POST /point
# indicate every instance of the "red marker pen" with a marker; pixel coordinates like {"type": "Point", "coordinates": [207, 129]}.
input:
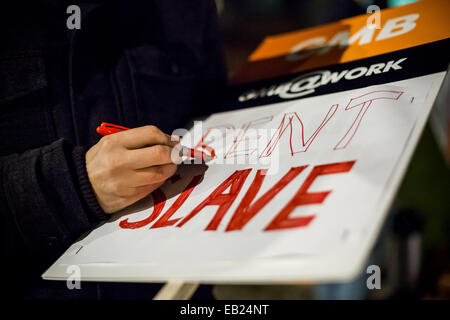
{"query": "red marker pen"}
{"type": "Point", "coordinates": [108, 128]}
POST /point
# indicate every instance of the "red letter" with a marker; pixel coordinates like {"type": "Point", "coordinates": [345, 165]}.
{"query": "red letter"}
{"type": "Point", "coordinates": [302, 197]}
{"type": "Point", "coordinates": [364, 101]}
{"type": "Point", "coordinates": [245, 212]}
{"type": "Point", "coordinates": [164, 220]}
{"type": "Point", "coordinates": [159, 200]}
{"type": "Point", "coordinates": [287, 122]}
{"type": "Point", "coordinates": [243, 136]}
{"type": "Point", "coordinates": [217, 198]}
{"type": "Point", "coordinates": [205, 145]}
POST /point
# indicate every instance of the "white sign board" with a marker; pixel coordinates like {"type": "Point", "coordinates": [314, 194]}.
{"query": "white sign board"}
{"type": "Point", "coordinates": [297, 192]}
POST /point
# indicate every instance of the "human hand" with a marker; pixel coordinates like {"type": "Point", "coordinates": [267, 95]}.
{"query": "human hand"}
{"type": "Point", "coordinates": [127, 166]}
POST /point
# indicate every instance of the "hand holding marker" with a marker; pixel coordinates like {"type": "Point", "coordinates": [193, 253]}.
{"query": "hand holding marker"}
{"type": "Point", "coordinates": [108, 128]}
{"type": "Point", "coordinates": [126, 165]}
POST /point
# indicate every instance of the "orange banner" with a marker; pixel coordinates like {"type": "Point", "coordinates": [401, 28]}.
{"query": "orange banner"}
{"type": "Point", "coordinates": [349, 39]}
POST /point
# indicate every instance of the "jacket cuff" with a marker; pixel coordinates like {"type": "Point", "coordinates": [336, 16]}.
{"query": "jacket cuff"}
{"type": "Point", "coordinates": [96, 213]}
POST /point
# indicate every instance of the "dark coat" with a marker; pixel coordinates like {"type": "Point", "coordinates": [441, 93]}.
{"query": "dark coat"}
{"type": "Point", "coordinates": [132, 63]}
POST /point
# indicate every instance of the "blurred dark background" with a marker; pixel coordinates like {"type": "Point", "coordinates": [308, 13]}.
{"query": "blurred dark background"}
{"type": "Point", "coordinates": [244, 24]}
{"type": "Point", "coordinates": [414, 247]}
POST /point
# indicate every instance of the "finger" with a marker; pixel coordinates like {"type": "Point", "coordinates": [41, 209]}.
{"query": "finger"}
{"type": "Point", "coordinates": [152, 156]}
{"type": "Point", "coordinates": [143, 137]}
{"type": "Point", "coordinates": [152, 175]}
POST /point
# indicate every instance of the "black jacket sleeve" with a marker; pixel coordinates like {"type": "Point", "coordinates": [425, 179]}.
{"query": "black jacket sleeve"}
{"type": "Point", "coordinates": [46, 197]}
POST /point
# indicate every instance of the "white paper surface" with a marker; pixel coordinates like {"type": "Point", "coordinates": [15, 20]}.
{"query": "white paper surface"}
{"type": "Point", "coordinates": [333, 246]}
